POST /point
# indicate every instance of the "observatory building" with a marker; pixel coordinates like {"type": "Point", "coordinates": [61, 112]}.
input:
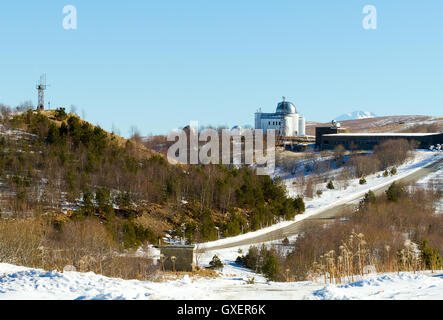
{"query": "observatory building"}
{"type": "Point", "coordinates": [285, 121]}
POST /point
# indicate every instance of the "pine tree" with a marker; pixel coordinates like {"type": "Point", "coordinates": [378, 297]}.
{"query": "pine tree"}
{"type": "Point", "coordinates": [271, 268]}
{"type": "Point", "coordinates": [430, 256]}
{"type": "Point", "coordinates": [394, 192]}
{"type": "Point", "coordinates": [216, 263]}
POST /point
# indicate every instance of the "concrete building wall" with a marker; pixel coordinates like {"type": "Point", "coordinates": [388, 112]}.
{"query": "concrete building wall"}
{"type": "Point", "coordinates": [302, 126]}
{"type": "Point", "coordinates": [290, 125]}
{"type": "Point", "coordinates": [294, 132]}
{"type": "Point", "coordinates": [184, 258]}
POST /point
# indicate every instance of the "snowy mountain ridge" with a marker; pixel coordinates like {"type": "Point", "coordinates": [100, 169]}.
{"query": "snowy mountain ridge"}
{"type": "Point", "coordinates": [356, 115]}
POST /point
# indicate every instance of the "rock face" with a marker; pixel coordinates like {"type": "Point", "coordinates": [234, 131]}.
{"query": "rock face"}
{"type": "Point", "coordinates": [356, 115]}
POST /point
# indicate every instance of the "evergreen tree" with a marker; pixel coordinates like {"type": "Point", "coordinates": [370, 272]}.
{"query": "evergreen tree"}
{"type": "Point", "coordinates": [394, 192]}
{"type": "Point", "coordinates": [60, 114]}
{"type": "Point", "coordinates": [216, 263]}
{"type": "Point", "coordinates": [271, 268]}
{"type": "Point", "coordinates": [430, 256]}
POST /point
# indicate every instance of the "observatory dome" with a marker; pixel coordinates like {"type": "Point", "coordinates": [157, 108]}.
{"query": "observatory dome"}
{"type": "Point", "coordinates": [286, 107]}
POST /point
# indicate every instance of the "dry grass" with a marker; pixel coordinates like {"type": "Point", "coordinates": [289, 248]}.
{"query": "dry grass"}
{"type": "Point", "coordinates": [21, 242]}
{"type": "Point", "coordinates": [86, 245]}
{"type": "Point", "coordinates": [354, 259]}
{"type": "Point", "coordinates": [200, 273]}
{"type": "Point", "coordinates": [383, 235]}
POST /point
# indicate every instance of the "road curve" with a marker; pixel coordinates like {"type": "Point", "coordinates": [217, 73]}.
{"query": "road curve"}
{"type": "Point", "coordinates": [327, 214]}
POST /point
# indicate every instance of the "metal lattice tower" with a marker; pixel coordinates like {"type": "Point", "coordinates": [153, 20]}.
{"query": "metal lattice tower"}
{"type": "Point", "coordinates": [41, 87]}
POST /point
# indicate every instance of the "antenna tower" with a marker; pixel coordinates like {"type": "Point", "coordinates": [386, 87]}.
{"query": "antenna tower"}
{"type": "Point", "coordinates": [41, 87]}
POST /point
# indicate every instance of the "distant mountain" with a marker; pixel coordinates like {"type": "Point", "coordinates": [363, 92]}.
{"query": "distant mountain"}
{"type": "Point", "coordinates": [356, 115]}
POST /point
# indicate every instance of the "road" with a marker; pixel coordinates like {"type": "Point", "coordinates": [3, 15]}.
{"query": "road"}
{"type": "Point", "coordinates": [329, 214]}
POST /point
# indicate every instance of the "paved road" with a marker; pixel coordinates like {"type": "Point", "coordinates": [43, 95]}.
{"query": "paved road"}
{"type": "Point", "coordinates": [328, 214]}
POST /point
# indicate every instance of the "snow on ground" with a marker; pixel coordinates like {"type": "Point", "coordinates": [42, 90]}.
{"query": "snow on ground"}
{"type": "Point", "coordinates": [435, 181]}
{"type": "Point", "coordinates": [233, 283]}
{"type": "Point", "coordinates": [18, 283]}
{"type": "Point", "coordinates": [332, 198]}
{"type": "Point", "coordinates": [390, 286]}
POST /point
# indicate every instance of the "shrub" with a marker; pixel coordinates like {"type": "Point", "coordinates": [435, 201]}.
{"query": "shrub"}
{"type": "Point", "coordinates": [430, 256]}
{"type": "Point", "coordinates": [392, 152]}
{"type": "Point", "coordinates": [370, 197]}
{"type": "Point", "coordinates": [102, 197]}
{"type": "Point", "coordinates": [250, 281]}
{"type": "Point", "coordinates": [134, 234]}
{"type": "Point", "coordinates": [386, 174]}
{"type": "Point", "coordinates": [271, 268]}
{"type": "Point", "coordinates": [330, 185]}
{"type": "Point", "coordinates": [285, 241]}
{"type": "Point", "coordinates": [319, 193]}
{"type": "Point", "coordinates": [394, 192]}
{"type": "Point", "coordinates": [299, 205]}
{"type": "Point", "coordinates": [216, 263]}
{"type": "Point", "coordinates": [339, 154]}
{"type": "Point", "coordinates": [364, 165]}
{"type": "Point", "coordinates": [362, 181]}
{"type": "Point", "coordinates": [60, 114]}
{"type": "Point", "coordinates": [251, 259]}
{"type": "Point", "coordinates": [393, 171]}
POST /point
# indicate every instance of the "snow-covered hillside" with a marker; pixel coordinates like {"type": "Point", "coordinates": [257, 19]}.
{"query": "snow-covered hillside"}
{"type": "Point", "coordinates": [356, 115]}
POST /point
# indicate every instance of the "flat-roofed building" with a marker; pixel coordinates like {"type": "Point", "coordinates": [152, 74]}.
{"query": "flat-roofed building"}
{"type": "Point", "coordinates": [367, 141]}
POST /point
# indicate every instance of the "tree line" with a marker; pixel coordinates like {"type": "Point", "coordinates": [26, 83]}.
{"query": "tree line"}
{"type": "Point", "coordinates": [49, 163]}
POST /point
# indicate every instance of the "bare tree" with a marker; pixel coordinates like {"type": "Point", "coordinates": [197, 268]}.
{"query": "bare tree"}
{"type": "Point", "coordinates": [25, 106]}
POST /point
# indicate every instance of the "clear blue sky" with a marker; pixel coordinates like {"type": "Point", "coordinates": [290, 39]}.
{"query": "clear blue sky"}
{"type": "Point", "coordinates": [159, 64]}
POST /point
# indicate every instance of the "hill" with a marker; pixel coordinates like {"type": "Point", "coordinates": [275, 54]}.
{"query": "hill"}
{"type": "Point", "coordinates": [57, 165]}
{"type": "Point", "coordinates": [387, 124]}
